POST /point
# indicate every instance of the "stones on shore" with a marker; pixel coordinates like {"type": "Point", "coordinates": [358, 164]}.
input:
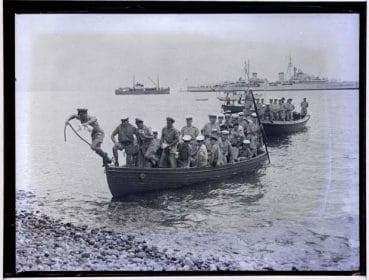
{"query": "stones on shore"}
{"type": "Point", "coordinates": [44, 244]}
{"type": "Point", "coordinates": [85, 255]}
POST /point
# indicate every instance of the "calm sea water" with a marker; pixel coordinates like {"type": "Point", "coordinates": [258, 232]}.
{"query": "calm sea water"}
{"type": "Point", "coordinates": [301, 210]}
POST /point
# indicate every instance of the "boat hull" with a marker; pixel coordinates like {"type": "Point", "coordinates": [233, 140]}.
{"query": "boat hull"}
{"type": "Point", "coordinates": [142, 91]}
{"type": "Point", "coordinates": [287, 87]}
{"type": "Point", "coordinates": [278, 128]}
{"type": "Point", "coordinates": [233, 108]}
{"type": "Point", "coordinates": [122, 180]}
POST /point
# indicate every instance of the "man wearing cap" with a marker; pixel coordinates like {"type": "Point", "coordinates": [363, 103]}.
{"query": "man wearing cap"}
{"type": "Point", "coordinates": [275, 109]}
{"type": "Point", "coordinates": [226, 147]}
{"type": "Point", "coordinates": [304, 105]}
{"type": "Point", "coordinates": [207, 142]}
{"type": "Point", "coordinates": [97, 134]}
{"type": "Point", "coordinates": [220, 120]}
{"type": "Point", "coordinates": [282, 110]}
{"type": "Point", "coordinates": [258, 106]}
{"type": "Point", "coordinates": [243, 123]}
{"type": "Point", "coordinates": [189, 129]}
{"type": "Point", "coordinates": [227, 125]}
{"type": "Point", "coordinates": [168, 142]}
{"type": "Point", "coordinates": [241, 116]}
{"type": "Point", "coordinates": [145, 140]}
{"type": "Point", "coordinates": [126, 140]}
{"type": "Point", "coordinates": [244, 151]}
{"type": "Point", "coordinates": [236, 135]}
{"type": "Point", "coordinates": [206, 131]}
{"type": "Point", "coordinates": [248, 102]}
{"type": "Point", "coordinates": [253, 138]}
{"type": "Point", "coordinates": [216, 157]}
{"type": "Point", "coordinates": [184, 152]}
{"type": "Point", "coordinates": [289, 109]}
{"type": "Point", "coordinates": [234, 118]}
{"type": "Point", "coordinates": [262, 110]}
{"type": "Point", "coordinates": [256, 130]}
{"type": "Point", "coordinates": [152, 153]}
{"type": "Point", "coordinates": [269, 111]}
{"type": "Point", "coordinates": [201, 156]}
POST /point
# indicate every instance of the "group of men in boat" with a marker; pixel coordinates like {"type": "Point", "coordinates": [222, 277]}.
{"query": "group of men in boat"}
{"type": "Point", "coordinates": [279, 110]}
{"type": "Point", "coordinates": [222, 140]}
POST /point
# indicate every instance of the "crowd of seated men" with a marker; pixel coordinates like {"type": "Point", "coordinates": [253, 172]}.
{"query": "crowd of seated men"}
{"type": "Point", "coordinates": [224, 139]}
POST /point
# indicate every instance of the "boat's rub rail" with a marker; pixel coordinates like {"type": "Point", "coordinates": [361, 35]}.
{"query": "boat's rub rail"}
{"type": "Point", "coordinates": [192, 169]}
{"type": "Point", "coordinates": [287, 122]}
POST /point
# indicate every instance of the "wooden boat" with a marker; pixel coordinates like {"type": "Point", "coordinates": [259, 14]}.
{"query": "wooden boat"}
{"type": "Point", "coordinates": [277, 128]}
{"type": "Point", "coordinates": [233, 108]}
{"type": "Point", "coordinates": [123, 180]}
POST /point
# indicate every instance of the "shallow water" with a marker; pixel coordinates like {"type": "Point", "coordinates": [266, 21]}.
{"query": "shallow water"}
{"type": "Point", "coordinates": [302, 210]}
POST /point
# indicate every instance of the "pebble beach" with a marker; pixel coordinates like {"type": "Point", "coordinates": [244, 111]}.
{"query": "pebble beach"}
{"type": "Point", "coordinates": [45, 244]}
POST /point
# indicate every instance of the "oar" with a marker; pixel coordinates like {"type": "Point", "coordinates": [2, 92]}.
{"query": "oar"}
{"type": "Point", "coordinates": [260, 125]}
{"type": "Point", "coordinates": [65, 133]}
{"type": "Point", "coordinates": [84, 140]}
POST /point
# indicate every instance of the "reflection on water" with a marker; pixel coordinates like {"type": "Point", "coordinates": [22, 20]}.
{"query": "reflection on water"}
{"type": "Point", "coordinates": [284, 140]}
{"type": "Point", "coordinates": [187, 205]}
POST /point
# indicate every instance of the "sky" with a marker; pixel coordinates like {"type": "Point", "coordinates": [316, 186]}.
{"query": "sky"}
{"type": "Point", "coordinates": [102, 52]}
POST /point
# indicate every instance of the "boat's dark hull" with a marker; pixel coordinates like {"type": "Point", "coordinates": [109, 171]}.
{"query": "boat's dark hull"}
{"type": "Point", "coordinates": [278, 128]}
{"type": "Point", "coordinates": [123, 180]}
{"type": "Point", "coordinates": [142, 91]}
{"type": "Point", "coordinates": [233, 108]}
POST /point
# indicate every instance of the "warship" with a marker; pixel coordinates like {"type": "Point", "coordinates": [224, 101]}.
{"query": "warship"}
{"type": "Point", "coordinates": [297, 80]}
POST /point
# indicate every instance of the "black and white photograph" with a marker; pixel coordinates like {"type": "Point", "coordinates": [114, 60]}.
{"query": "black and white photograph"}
{"type": "Point", "coordinates": [187, 142]}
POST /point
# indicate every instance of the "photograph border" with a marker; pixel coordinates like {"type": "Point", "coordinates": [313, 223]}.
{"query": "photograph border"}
{"type": "Point", "coordinates": [11, 8]}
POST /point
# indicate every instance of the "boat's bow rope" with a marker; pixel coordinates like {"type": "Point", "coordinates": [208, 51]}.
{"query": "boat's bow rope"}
{"type": "Point", "coordinates": [260, 125]}
{"type": "Point", "coordinates": [80, 137]}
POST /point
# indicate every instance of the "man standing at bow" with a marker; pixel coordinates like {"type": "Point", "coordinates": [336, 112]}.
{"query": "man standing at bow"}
{"type": "Point", "coordinates": [304, 106]}
{"type": "Point", "coordinates": [97, 134]}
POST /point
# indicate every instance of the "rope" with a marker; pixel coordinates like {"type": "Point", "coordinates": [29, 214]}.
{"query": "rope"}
{"type": "Point", "coordinates": [260, 125]}
{"type": "Point", "coordinates": [80, 137]}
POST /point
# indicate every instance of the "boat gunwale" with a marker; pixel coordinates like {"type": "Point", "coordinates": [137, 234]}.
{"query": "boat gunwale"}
{"type": "Point", "coordinates": [286, 123]}
{"type": "Point", "coordinates": [181, 170]}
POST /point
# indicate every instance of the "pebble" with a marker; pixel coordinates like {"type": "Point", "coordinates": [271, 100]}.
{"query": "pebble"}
{"type": "Point", "coordinates": [140, 255]}
{"type": "Point", "coordinates": [85, 255]}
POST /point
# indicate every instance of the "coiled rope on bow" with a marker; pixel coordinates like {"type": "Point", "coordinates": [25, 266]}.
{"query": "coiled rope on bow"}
{"type": "Point", "coordinates": [80, 137]}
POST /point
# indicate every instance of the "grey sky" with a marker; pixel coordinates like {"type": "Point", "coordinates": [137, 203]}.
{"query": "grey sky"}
{"type": "Point", "coordinates": [102, 52]}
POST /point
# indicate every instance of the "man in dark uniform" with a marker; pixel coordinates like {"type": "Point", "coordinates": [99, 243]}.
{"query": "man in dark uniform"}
{"type": "Point", "coordinates": [304, 105]}
{"type": "Point", "coordinates": [206, 131]}
{"type": "Point", "coordinates": [169, 141]}
{"type": "Point", "coordinates": [145, 141]}
{"type": "Point", "coordinates": [189, 129]}
{"type": "Point", "coordinates": [126, 140]}
{"type": "Point", "coordinates": [97, 134]}
{"type": "Point", "coordinates": [227, 125]}
{"type": "Point", "coordinates": [185, 152]}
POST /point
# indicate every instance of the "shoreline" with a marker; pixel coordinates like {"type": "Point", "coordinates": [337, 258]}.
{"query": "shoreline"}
{"type": "Point", "coordinates": [46, 244]}
{"type": "Point", "coordinates": [56, 243]}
